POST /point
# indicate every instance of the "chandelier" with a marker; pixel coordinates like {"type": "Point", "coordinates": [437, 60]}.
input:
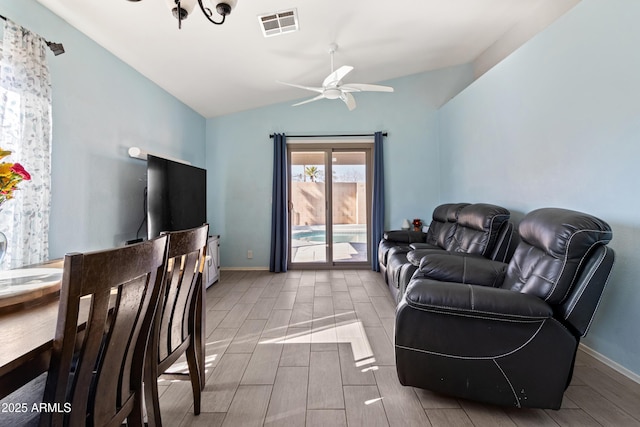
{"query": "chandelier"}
{"type": "Point", "coordinates": [181, 9]}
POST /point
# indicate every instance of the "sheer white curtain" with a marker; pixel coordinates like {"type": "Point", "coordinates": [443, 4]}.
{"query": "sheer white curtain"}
{"type": "Point", "coordinates": [25, 129]}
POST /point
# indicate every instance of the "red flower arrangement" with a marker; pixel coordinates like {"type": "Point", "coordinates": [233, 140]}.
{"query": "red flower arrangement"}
{"type": "Point", "coordinates": [417, 224]}
{"type": "Point", "coordinates": [11, 174]}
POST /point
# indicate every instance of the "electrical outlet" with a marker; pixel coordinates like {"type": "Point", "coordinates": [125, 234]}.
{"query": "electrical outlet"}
{"type": "Point", "coordinates": [249, 254]}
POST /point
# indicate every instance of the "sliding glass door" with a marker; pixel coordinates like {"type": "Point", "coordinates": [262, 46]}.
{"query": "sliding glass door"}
{"type": "Point", "coordinates": [329, 205]}
{"type": "Point", "coordinates": [349, 206]}
{"type": "Point", "coordinates": [308, 207]}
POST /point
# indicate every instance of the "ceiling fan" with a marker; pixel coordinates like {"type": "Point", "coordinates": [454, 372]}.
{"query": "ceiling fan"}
{"type": "Point", "coordinates": [333, 88]}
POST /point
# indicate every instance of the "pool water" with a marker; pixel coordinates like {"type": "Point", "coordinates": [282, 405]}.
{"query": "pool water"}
{"type": "Point", "coordinates": [339, 236]}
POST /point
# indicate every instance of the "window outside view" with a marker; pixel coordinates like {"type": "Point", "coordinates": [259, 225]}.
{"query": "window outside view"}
{"type": "Point", "coordinates": [309, 206]}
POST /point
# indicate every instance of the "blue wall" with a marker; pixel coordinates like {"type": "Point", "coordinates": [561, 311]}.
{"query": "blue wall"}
{"type": "Point", "coordinates": [557, 123]}
{"type": "Point", "coordinates": [101, 107]}
{"type": "Point", "coordinates": [240, 156]}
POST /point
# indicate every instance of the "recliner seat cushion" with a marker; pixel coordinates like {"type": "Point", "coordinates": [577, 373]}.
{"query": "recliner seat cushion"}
{"type": "Point", "coordinates": [416, 255]}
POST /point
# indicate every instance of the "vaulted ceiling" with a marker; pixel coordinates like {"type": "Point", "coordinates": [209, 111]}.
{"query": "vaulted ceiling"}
{"type": "Point", "coordinates": [221, 69]}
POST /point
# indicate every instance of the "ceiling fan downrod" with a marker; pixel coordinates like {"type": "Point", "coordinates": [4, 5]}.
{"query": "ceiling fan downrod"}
{"type": "Point", "coordinates": [333, 47]}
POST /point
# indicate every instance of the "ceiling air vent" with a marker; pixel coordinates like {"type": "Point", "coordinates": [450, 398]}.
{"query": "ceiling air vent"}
{"type": "Point", "coordinates": [282, 22]}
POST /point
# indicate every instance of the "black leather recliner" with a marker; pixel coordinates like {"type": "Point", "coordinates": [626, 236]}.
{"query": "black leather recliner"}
{"type": "Point", "coordinates": [479, 229]}
{"type": "Point", "coordinates": [441, 228]}
{"type": "Point", "coordinates": [506, 334]}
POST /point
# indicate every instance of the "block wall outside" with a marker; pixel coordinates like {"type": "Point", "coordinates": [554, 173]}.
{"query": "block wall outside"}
{"type": "Point", "coordinates": [350, 203]}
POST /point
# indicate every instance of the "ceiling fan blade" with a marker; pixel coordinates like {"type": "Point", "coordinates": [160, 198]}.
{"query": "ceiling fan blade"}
{"type": "Point", "coordinates": [349, 100]}
{"type": "Point", "coordinates": [311, 88]}
{"type": "Point", "coordinates": [362, 87]}
{"type": "Point", "coordinates": [321, 96]}
{"type": "Point", "coordinates": [333, 78]}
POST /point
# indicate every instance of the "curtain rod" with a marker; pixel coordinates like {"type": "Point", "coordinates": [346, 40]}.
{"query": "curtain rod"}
{"type": "Point", "coordinates": [56, 48]}
{"type": "Point", "coordinates": [352, 135]}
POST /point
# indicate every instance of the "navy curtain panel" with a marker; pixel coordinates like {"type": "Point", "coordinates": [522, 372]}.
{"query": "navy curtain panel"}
{"type": "Point", "coordinates": [279, 244]}
{"type": "Point", "coordinates": [377, 204]}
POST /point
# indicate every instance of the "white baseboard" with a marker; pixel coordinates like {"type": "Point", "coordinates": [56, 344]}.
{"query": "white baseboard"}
{"type": "Point", "coordinates": [244, 268]}
{"type": "Point", "coordinates": [610, 363]}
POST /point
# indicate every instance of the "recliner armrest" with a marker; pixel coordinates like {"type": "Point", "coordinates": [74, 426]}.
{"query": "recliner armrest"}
{"type": "Point", "coordinates": [405, 236]}
{"type": "Point", "coordinates": [496, 303]}
{"type": "Point", "coordinates": [416, 255]}
{"type": "Point", "coordinates": [462, 268]}
{"type": "Point", "coordinates": [421, 245]}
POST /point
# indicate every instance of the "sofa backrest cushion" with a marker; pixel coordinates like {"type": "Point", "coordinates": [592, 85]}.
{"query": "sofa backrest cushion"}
{"type": "Point", "coordinates": [477, 229]}
{"type": "Point", "coordinates": [443, 224]}
{"type": "Point", "coordinates": [555, 243]}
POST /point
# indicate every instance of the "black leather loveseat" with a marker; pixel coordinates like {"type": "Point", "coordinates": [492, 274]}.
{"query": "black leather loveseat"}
{"type": "Point", "coordinates": [500, 333]}
{"type": "Point", "coordinates": [479, 229]}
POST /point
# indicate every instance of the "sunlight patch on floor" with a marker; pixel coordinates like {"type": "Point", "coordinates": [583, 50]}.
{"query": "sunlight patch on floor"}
{"type": "Point", "coordinates": [326, 331]}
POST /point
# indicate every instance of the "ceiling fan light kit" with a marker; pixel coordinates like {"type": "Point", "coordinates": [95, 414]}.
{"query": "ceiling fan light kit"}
{"type": "Point", "coordinates": [333, 88]}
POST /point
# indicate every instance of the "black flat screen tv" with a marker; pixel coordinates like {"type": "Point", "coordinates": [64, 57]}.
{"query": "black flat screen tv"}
{"type": "Point", "coordinates": [176, 196]}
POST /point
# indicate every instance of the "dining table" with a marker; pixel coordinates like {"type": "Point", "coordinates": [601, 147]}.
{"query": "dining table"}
{"type": "Point", "coordinates": [29, 299]}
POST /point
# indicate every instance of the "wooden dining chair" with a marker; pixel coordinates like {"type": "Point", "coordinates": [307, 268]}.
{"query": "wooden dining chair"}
{"type": "Point", "coordinates": [179, 320]}
{"type": "Point", "coordinates": [96, 371]}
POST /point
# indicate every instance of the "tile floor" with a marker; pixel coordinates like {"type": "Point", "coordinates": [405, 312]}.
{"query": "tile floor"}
{"type": "Point", "coordinates": [314, 348]}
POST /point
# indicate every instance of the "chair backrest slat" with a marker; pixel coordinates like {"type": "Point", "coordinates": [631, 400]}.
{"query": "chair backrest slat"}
{"type": "Point", "coordinates": [88, 355]}
{"type": "Point", "coordinates": [186, 277]}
